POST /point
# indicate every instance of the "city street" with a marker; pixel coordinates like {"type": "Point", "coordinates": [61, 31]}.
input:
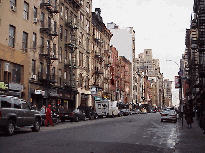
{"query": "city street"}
{"type": "Point", "coordinates": [134, 133]}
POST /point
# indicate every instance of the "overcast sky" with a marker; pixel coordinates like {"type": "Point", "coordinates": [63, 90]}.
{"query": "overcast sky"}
{"type": "Point", "coordinates": [159, 25]}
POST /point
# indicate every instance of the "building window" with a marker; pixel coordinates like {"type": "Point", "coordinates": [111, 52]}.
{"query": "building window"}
{"type": "Point", "coordinates": [81, 59]}
{"type": "Point", "coordinates": [61, 11]}
{"type": "Point", "coordinates": [16, 73]}
{"type": "Point", "coordinates": [42, 45]}
{"type": "Point", "coordinates": [34, 12]}
{"type": "Point", "coordinates": [26, 10]}
{"type": "Point", "coordinates": [48, 46]}
{"type": "Point", "coordinates": [49, 23]}
{"type": "Point", "coordinates": [87, 62]}
{"type": "Point", "coordinates": [11, 36]}
{"type": "Point", "coordinates": [33, 72]}
{"type": "Point", "coordinates": [81, 1]}
{"type": "Point", "coordinates": [25, 42]}
{"type": "Point", "coordinates": [82, 19]}
{"type": "Point", "coordinates": [34, 41]}
{"type": "Point", "coordinates": [60, 54]}
{"type": "Point", "coordinates": [54, 49]}
{"type": "Point", "coordinates": [60, 77]}
{"type": "Point", "coordinates": [87, 26]}
{"type": "Point", "coordinates": [65, 76]}
{"type": "Point", "coordinates": [54, 26]}
{"type": "Point", "coordinates": [66, 14]}
{"type": "Point", "coordinates": [41, 67]}
{"type": "Point", "coordinates": [61, 33]}
{"type": "Point", "coordinates": [13, 3]}
{"type": "Point", "coordinates": [66, 38]}
{"type": "Point", "coordinates": [55, 4]}
{"type": "Point", "coordinates": [42, 19]}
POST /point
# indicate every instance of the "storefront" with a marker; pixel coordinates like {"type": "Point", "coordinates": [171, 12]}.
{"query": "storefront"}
{"type": "Point", "coordinates": [11, 89]}
{"type": "Point", "coordinates": [37, 98]}
{"type": "Point", "coordinates": [84, 99]}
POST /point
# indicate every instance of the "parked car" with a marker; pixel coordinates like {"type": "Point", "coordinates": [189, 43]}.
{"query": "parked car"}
{"type": "Point", "coordinates": [143, 111]}
{"type": "Point", "coordinates": [135, 111]}
{"type": "Point", "coordinates": [153, 110]}
{"type": "Point", "coordinates": [55, 118]}
{"type": "Point", "coordinates": [169, 115]}
{"type": "Point", "coordinates": [15, 113]}
{"type": "Point", "coordinates": [89, 112]}
{"type": "Point", "coordinates": [120, 113]}
{"type": "Point", "coordinates": [72, 115]}
{"type": "Point", "coordinates": [125, 112]}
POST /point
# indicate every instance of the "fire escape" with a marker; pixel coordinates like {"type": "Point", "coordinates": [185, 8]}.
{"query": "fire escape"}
{"type": "Point", "coordinates": [71, 46]}
{"type": "Point", "coordinates": [98, 65]}
{"type": "Point", "coordinates": [49, 79]}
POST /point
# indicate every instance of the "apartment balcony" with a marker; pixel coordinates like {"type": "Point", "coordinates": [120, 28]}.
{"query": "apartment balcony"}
{"type": "Point", "coordinates": [54, 33]}
{"type": "Point", "coordinates": [107, 65]}
{"type": "Point", "coordinates": [71, 44]}
{"type": "Point", "coordinates": [194, 46]}
{"type": "Point", "coordinates": [47, 78]}
{"type": "Point", "coordinates": [70, 23]}
{"type": "Point", "coordinates": [97, 40]}
{"type": "Point", "coordinates": [76, 3]}
{"type": "Point", "coordinates": [99, 57]}
{"type": "Point", "coordinates": [51, 9]}
{"type": "Point", "coordinates": [45, 30]}
{"type": "Point", "coordinates": [48, 55]}
{"type": "Point", "coordinates": [97, 72]}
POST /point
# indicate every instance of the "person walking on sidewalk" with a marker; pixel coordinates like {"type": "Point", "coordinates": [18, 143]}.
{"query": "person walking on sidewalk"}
{"type": "Point", "coordinates": [48, 116]}
{"type": "Point", "coordinates": [189, 117]}
{"type": "Point", "coordinates": [203, 124]}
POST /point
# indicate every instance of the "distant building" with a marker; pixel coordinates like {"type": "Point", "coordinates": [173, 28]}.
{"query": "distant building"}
{"type": "Point", "coordinates": [148, 69]}
{"type": "Point", "coordinates": [124, 41]}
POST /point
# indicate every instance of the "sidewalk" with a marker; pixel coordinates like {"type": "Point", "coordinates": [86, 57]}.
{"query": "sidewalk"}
{"type": "Point", "coordinates": [190, 140]}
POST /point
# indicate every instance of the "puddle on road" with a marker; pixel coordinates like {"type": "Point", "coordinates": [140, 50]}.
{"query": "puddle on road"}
{"type": "Point", "coordinates": [163, 135]}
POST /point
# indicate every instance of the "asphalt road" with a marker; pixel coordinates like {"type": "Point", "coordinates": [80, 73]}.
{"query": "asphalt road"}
{"type": "Point", "coordinates": [142, 133]}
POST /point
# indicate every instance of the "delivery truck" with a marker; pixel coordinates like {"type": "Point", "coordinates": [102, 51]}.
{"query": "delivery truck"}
{"type": "Point", "coordinates": [106, 108]}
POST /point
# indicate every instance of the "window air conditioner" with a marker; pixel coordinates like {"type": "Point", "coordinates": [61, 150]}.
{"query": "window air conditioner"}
{"type": "Point", "coordinates": [13, 8]}
{"type": "Point", "coordinates": [33, 77]}
{"type": "Point", "coordinates": [35, 20]}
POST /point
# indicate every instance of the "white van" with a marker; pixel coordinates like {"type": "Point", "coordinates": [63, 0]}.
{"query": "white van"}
{"type": "Point", "coordinates": [106, 108]}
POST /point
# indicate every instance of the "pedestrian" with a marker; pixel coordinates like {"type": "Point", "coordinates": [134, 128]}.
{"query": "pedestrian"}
{"type": "Point", "coordinates": [189, 118]}
{"type": "Point", "coordinates": [203, 124]}
{"type": "Point", "coordinates": [48, 116]}
{"type": "Point", "coordinates": [43, 109]}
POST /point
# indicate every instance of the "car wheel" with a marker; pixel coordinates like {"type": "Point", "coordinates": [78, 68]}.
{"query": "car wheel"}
{"type": "Point", "coordinates": [36, 126]}
{"type": "Point", "coordinates": [62, 119]}
{"type": "Point", "coordinates": [85, 118]}
{"type": "Point", "coordinates": [91, 117]}
{"type": "Point", "coordinates": [77, 119]}
{"type": "Point", "coordinates": [10, 128]}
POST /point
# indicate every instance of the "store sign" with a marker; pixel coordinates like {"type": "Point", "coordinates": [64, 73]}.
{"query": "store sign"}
{"type": "Point", "coordinates": [38, 92]}
{"type": "Point", "coordinates": [17, 87]}
{"type": "Point", "coordinates": [177, 82]}
{"type": "Point", "coordinates": [43, 93]}
{"type": "Point", "coordinates": [3, 85]}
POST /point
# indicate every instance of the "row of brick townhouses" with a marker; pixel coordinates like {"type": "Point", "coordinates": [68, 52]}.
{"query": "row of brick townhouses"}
{"type": "Point", "coordinates": [59, 52]}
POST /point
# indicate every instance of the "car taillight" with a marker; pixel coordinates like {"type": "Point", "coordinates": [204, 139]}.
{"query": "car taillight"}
{"type": "Point", "coordinates": [163, 114]}
{"type": "Point", "coordinates": [0, 115]}
{"type": "Point", "coordinates": [60, 115]}
{"type": "Point", "coordinates": [71, 114]}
